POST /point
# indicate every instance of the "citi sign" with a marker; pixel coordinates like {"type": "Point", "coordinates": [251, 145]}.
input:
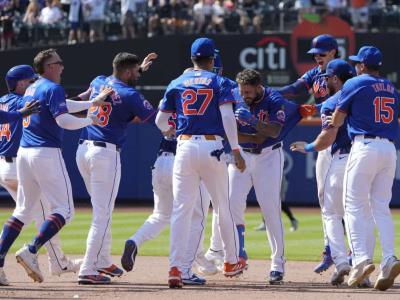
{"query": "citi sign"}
{"type": "Point", "coordinates": [269, 53]}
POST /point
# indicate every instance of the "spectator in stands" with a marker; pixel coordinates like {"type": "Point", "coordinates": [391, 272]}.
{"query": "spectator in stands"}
{"type": "Point", "coordinates": [180, 16]}
{"type": "Point", "coordinates": [31, 17]}
{"type": "Point", "coordinates": [303, 7]}
{"type": "Point", "coordinates": [231, 18]}
{"type": "Point", "coordinates": [165, 15]}
{"type": "Point", "coordinates": [251, 16]}
{"type": "Point", "coordinates": [202, 14]}
{"type": "Point", "coordinates": [359, 14]}
{"type": "Point", "coordinates": [51, 14]}
{"type": "Point", "coordinates": [128, 7]}
{"type": "Point", "coordinates": [218, 17]}
{"type": "Point", "coordinates": [75, 22]}
{"type": "Point", "coordinates": [153, 19]}
{"type": "Point", "coordinates": [7, 30]}
{"type": "Point", "coordinates": [335, 6]}
{"type": "Point", "coordinates": [96, 18]}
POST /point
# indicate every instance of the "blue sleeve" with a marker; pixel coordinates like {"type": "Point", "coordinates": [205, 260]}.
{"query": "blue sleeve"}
{"type": "Point", "coordinates": [325, 112]}
{"type": "Point", "coordinates": [225, 91]}
{"type": "Point", "coordinates": [141, 107]}
{"type": "Point", "coordinates": [346, 98]}
{"type": "Point", "coordinates": [9, 116]}
{"type": "Point", "coordinates": [281, 109]}
{"type": "Point", "coordinates": [168, 103]}
{"type": "Point", "coordinates": [295, 89]}
{"type": "Point", "coordinates": [56, 101]}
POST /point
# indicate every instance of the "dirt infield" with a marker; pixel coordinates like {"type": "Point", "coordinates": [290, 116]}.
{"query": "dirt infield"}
{"type": "Point", "coordinates": [148, 281]}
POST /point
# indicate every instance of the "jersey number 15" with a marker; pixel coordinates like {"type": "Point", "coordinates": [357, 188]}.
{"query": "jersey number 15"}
{"type": "Point", "coordinates": [190, 97]}
{"type": "Point", "coordinates": [383, 111]}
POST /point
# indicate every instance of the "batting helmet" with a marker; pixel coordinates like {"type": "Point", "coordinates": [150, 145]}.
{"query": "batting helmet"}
{"type": "Point", "coordinates": [323, 43]}
{"type": "Point", "coordinates": [17, 73]}
{"type": "Point", "coordinates": [217, 62]}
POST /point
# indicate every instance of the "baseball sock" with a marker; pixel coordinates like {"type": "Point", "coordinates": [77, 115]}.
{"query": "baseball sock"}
{"type": "Point", "coordinates": [287, 211]}
{"type": "Point", "coordinates": [242, 251]}
{"type": "Point", "coordinates": [49, 228]}
{"type": "Point", "coordinates": [11, 230]}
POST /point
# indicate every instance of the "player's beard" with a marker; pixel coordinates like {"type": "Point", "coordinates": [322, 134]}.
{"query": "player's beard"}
{"type": "Point", "coordinates": [132, 82]}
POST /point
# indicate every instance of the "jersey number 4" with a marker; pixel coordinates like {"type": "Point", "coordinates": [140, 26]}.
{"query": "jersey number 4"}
{"type": "Point", "coordinates": [191, 96]}
{"type": "Point", "coordinates": [102, 113]}
{"type": "Point", "coordinates": [383, 111]}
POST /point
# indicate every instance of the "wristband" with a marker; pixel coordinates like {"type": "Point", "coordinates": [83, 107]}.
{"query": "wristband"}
{"type": "Point", "coordinates": [309, 148]}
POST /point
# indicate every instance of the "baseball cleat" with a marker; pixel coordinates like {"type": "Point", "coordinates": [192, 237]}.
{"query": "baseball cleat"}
{"type": "Point", "coordinates": [216, 257]}
{"type": "Point", "coordinates": [70, 266]}
{"type": "Point", "coordinates": [326, 262]}
{"type": "Point", "coordinates": [231, 270]}
{"type": "Point", "coordinates": [3, 278]}
{"type": "Point", "coordinates": [387, 275]}
{"type": "Point", "coordinates": [294, 224]}
{"type": "Point", "coordinates": [193, 279]}
{"type": "Point", "coordinates": [93, 279]}
{"type": "Point", "coordinates": [29, 261]}
{"type": "Point", "coordinates": [129, 255]}
{"type": "Point", "coordinates": [204, 266]}
{"type": "Point", "coordinates": [260, 227]}
{"type": "Point", "coordinates": [112, 271]}
{"type": "Point", "coordinates": [275, 278]}
{"type": "Point", "coordinates": [360, 272]}
{"type": "Point", "coordinates": [341, 271]}
{"type": "Point", "coordinates": [365, 284]}
{"type": "Point", "coordinates": [174, 278]}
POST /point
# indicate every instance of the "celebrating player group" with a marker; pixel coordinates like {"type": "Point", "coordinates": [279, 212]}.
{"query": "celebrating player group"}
{"type": "Point", "coordinates": [220, 138]}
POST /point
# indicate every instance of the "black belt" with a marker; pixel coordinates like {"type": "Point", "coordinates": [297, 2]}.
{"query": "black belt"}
{"type": "Point", "coordinates": [345, 150]}
{"type": "Point", "coordinates": [161, 152]}
{"type": "Point", "coordinates": [99, 144]}
{"type": "Point", "coordinates": [259, 150]}
{"type": "Point", "coordinates": [371, 136]}
{"type": "Point", "coordinates": [9, 159]}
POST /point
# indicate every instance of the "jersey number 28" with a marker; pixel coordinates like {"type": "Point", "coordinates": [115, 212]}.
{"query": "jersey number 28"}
{"type": "Point", "coordinates": [383, 111]}
{"type": "Point", "coordinates": [190, 97]}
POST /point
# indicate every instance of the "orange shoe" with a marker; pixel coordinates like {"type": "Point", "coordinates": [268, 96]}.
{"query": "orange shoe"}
{"type": "Point", "coordinates": [174, 278]}
{"type": "Point", "coordinates": [231, 270]}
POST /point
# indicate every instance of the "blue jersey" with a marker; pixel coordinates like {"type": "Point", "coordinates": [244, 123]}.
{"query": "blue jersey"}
{"type": "Point", "coordinates": [41, 130]}
{"type": "Point", "coordinates": [10, 133]}
{"type": "Point", "coordinates": [372, 106]}
{"type": "Point", "coordinates": [124, 104]}
{"type": "Point", "coordinates": [316, 83]}
{"type": "Point", "coordinates": [195, 96]}
{"type": "Point", "coordinates": [342, 141]}
{"type": "Point", "coordinates": [272, 108]}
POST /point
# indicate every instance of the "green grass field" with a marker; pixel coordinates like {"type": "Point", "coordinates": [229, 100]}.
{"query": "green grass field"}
{"type": "Point", "coordinates": [304, 244]}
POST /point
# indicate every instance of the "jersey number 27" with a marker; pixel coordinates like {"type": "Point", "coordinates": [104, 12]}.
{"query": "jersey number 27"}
{"type": "Point", "coordinates": [190, 97]}
{"type": "Point", "coordinates": [383, 111]}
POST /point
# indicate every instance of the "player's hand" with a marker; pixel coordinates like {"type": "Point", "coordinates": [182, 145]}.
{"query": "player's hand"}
{"type": "Point", "coordinates": [245, 116]}
{"type": "Point", "coordinates": [298, 147]}
{"type": "Point", "coordinates": [30, 108]}
{"type": "Point", "coordinates": [307, 110]}
{"type": "Point", "coordinates": [259, 138]}
{"type": "Point", "coordinates": [148, 60]}
{"type": "Point", "coordinates": [101, 98]}
{"type": "Point", "coordinates": [171, 132]}
{"type": "Point", "coordinates": [239, 161]}
{"type": "Point", "coordinates": [95, 120]}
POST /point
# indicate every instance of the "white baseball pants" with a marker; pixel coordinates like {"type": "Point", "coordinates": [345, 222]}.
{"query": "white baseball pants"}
{"type": "Point", "coordinates": [368, 180]}
{"type": "Point", "coordinates": [101, 171]}
{"type": "Point", "coordinates": [9, 180]}
{"type": "Point", "coordinates": [264, 172]}
{"type": "Point", "coordinates": [194, 163]}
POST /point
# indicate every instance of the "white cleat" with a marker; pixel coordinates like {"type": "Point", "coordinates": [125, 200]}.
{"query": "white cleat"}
{"type": "Point", "coordinates": [340, 271]}
{"type": "Point", "coordinates": [216, 257]}
{"type": "Point", "coordinates": [360, 272]}
{"type": "Point", "coordinates": [29, 261]}
{"type": "Point", "coordinates": [387, 275]}
{"type": "Point", "coordinates": [204, 266]}
{"type": "Point", "coordinates": [64, 265]}
{"type": "Point", "coordinates": [3, 278]}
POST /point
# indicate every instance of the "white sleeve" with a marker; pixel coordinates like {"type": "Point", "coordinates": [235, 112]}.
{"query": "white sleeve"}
{"type": "Point", "coordinates": [76, 106]}
{"type": "Point", "coordinates": [70, 122]}
{"type": "Point", "coordinates": [162, 121]}
{"type": "Point", "coordinates": [229, 122]}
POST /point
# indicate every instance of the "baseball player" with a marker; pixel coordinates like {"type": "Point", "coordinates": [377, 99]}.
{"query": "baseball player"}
{"type": "Point", "coordinates": [18, 79]}
{"type": "Point", "coordinates": [370, 104]}
{"type": "Point", "coordinates": [324, 48]}
{"type": "Point", "coordinates": [40, 148]}
{"type": "Point", "coordinates": [262, 110]}
{"type": "Point", "coordinates": [336, 74]}
{"type": "Point", "coordinates": [98, 158]}
{"type": "Point", "coordinates": [202, 101]}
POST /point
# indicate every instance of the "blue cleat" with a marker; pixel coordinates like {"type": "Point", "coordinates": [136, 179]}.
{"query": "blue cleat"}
{"type": "Point", "coordinates": [129, 255]}
{"type": "Point", "coordinates": [326, 262]}
{"type": "Point", "coordinates": [193, 279]}
{"type": "Point", "coordinates": [275, 277]}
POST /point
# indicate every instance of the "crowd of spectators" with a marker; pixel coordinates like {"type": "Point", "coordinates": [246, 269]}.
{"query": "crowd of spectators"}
{"type": "Point", "coordinates": [35, 22]}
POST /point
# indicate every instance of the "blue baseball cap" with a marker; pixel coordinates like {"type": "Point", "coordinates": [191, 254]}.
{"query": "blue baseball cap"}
{"type": "Point", "coordinates": [323, 43]}
{"type": "Point", "coordinates": [339, 67]}
{"type": "Point", "coordinates": [369, 55]}
{"type": "Point", "coordinates": [217, 62]}
{"type": "Point", "coordinates": [203, 47]}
